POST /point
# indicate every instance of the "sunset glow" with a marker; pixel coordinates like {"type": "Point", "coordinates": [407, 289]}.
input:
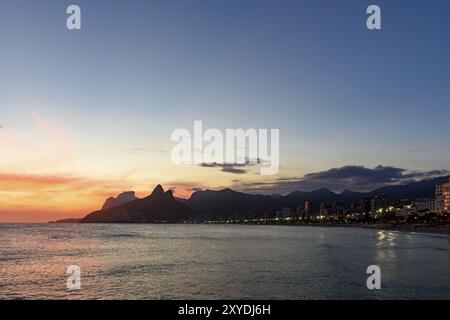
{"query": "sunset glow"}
{"type": "Point", "coordinates": [87, 114]}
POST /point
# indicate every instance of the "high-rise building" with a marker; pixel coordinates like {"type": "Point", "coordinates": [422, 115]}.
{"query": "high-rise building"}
{"type": "Point", "coordinates": [443, 198]}
{"type": "Point", "coordinates": [311, 209]}
{"type": "Point", "coordinates": [299, 211]}
{"type": "Point", "coordinates": [365, 206]}
{"type": "Point", "coordinates": [378, 202]}
{"type": "Point", "coordinates": [307, 210]}
{"type": "Point", "coordinates": [424, 205]}
{"type": "Point", "coordinates": [323, 210]}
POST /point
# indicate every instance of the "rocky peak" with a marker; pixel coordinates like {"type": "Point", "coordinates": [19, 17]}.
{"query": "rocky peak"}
{"type": "Point", "coordinates": [158, 191]}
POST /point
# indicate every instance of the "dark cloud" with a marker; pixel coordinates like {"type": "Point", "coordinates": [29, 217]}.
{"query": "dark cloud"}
{"type": "Point", "coordinates": [184, 185]}
{"type": "Point", "coordinates": [196, 189]}
{"type": "Point", "coordinates": [364, 179]}
{"type": "Point", "coordinates": [357, 178]}
{"type": "Point", "coordinates": [235, 168]}
{"type": "Point", "coordinates": [226, 167]}
{"type": "Point", "coordinates": [425, 174]}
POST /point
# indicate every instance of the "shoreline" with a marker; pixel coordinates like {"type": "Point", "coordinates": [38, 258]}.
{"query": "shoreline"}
{"type": "Point", "coordinates": [443, 229]}
{"type": "Point", "coordinates": [417, 228]}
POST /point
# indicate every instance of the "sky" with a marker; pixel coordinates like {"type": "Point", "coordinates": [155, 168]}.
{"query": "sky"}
{"type": "Point", "coordinates": [86, 114]}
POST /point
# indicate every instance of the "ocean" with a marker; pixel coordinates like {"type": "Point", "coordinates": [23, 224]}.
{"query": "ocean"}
{"type": "Point", "coordinates": [169, 261]}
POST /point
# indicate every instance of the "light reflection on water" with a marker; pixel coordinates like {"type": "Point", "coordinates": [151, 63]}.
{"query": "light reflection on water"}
{"type": "Point", "coordinates": [219, 262]}
{"type": "Point", "coordinates": [386, 245]}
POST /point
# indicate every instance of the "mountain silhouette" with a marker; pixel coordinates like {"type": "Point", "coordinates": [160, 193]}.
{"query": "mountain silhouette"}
{"type": "Point", "coordinates": [231, 203]}
{"type": "Point", "coordinates": [162, 206]}
{"type": "Point", "coordinates": [321, 195]}
{"type": "Point", "coordinates": [228, 202]}
{"type": "Point", "coordinates": [159, 206]}
{"type": "Point", "coordinates": [414, 190]}
{"type": "Point", "coordinates": [121, 199]}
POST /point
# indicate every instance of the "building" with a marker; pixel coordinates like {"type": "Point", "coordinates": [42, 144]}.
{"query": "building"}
{"type": "Point", "coordinates": [299, 211]}
{"type": "Point", "coordinates": [307, 210]}
{"type": "Point", "coordinates": [286, 212]}
{"type": "Point", "coordinates": [311, 209]}
{"type": "Point", "coordinates": [365, 206]}
{"type": "Point", "coordinates": [424, 205]}
{"type": "Point", "coordinates": [376, 204]}
{"type": "Point", "coordinates": [442, 201]}
{"type": "Point", "coordinates": [323, 210]}
{"type": "Point", "coordinates": [406, 210]}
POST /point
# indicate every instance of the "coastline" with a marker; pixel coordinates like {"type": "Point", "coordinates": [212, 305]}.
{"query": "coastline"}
{"type": "Point", "coordinates": [417, 228]}
{"type": "Point", "coordinates": [443, 229]}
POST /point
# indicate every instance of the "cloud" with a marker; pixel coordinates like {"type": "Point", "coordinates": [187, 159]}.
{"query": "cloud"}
{"type": "Point", "coordinates": [226, 167]}
{"type": "Point", "coordinates": [357, 178]}
{"type": "Point", "coordinates": [196, 189]}
{"type": "Point", "coordinates": [183, 189]}
{"type": "Point", "coordinates": [362, 178]}
{"type": "Point", "coordinates": [56, 183]}
{"type": "Point", "coordinates": [426, 174]}
{"type": "Point", "coordinates": [10, 181]}
{"type": "Point", "coordinates": [234, 168]}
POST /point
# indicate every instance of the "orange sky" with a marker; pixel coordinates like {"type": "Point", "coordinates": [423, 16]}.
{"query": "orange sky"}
{"type": "Point", "coordinates": [42, 198]}
{"type": "Point", "coordinates": [47, 172]}
{"type": "Point", "coordinates": [46, 175]}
